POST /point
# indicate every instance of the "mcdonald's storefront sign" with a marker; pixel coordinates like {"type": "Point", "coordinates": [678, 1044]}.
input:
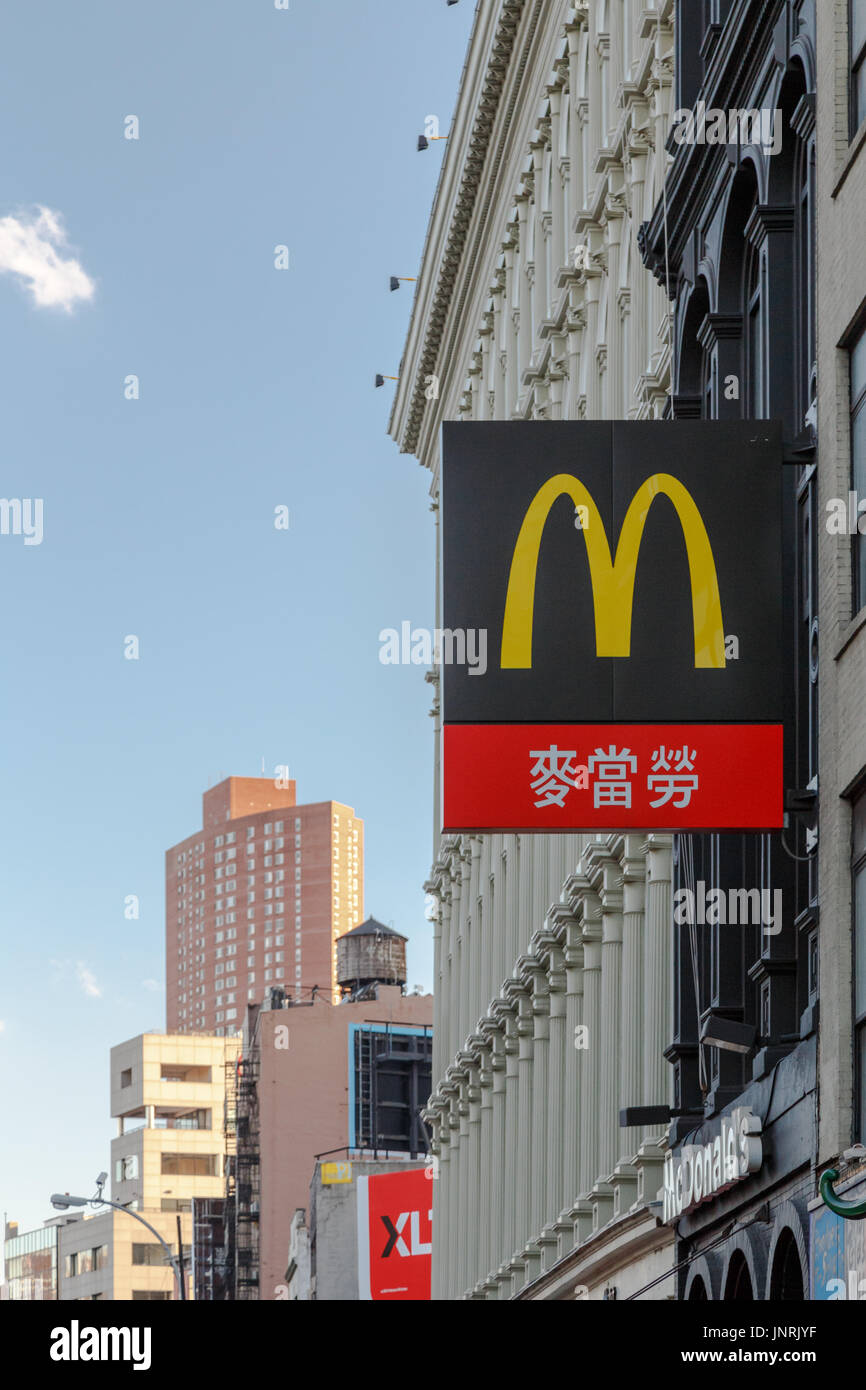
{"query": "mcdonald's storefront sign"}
{"type": "Point", "coordinates": [628, 576]}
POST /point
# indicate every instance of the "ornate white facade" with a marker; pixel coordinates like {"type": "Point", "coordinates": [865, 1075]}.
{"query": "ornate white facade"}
{"type": "Point", "coordinates": [553, 953]}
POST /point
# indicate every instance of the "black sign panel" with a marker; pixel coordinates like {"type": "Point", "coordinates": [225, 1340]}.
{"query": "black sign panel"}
{"type": "Point", "coordinates": [621, 571]}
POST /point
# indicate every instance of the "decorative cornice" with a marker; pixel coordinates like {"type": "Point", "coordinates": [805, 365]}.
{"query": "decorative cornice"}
{"type": "Point", "coordinates": [477, 150]}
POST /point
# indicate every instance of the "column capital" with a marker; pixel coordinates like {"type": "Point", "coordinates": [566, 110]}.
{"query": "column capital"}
{"type": "Point", "coordinates": [767, 219]}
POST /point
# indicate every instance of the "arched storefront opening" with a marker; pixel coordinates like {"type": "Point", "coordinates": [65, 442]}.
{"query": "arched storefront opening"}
{"type": "Point", "coordinates": [738, 1285]}
{"type": "Point", "coordinates": [786, 1281]}
{"type": "Point", "coordinates": [698, 1291]}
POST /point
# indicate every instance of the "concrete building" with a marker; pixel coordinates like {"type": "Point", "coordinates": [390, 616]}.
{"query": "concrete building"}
{"type": "Point", "coordinates": [31, 1262]}
{"type": "Point", "coordinates": [839, 1256]}
{"type": "Point", "coordinates": [315, 1079]}
{"type": "Point", "coordinates": [533, 303]}
{"type": "Point", "coordinates": [323, 1257]}
{"type": "Point", "coordinates": [258, 896]}
{"type": "Point", "coordinates": [168, 1097]}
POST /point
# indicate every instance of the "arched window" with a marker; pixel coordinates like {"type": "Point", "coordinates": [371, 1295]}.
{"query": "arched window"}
{"type": "Point", "coordinates": [786, 1280]}
{"type": "Point", "coordinates": [738, 1285]}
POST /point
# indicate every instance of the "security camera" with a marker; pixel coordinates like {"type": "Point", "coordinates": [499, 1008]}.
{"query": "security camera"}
{"type": "Point", "coordinates": [102, 1180]}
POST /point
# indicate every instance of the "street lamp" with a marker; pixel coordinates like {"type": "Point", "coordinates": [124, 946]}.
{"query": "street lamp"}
{"type": "Point", "coordinates": [62, 1201]}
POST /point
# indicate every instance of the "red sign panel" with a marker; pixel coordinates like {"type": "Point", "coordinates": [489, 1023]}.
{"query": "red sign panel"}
{"type": "Point", "coordinates": [675, 777]}
{"type": "Point", "coordinates": [395, 1244]}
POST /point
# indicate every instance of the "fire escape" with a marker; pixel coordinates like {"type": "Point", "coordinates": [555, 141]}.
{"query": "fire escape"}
{"type": "Point", "coordinates": [246, 1168]}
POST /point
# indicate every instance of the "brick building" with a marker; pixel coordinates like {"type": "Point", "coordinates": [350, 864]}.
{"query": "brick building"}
{"type": "Point", "coordinates": [257, 897]}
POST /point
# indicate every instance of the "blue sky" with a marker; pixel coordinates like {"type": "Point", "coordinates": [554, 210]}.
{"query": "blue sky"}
{"type": "Point", "coordinates": [258, 127]}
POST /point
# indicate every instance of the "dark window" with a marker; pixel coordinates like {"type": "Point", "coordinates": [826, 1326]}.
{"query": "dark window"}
{"type": "Point", "coordinates": [755, 339]}
{"type": "Point", "coordinates": [857, 31]}
{"type": "Point", "coordinates": [392, 1083]}
{"type": "Point", "coordinates": [140, 1294]}
{"type": "Point", "coordinates": [738, 1286]}
{"type": "Point", "coordinates": [786, 1280]}
{"type": "Point", "coordinates": [858, 459]}
{"type": "Point", "coordinates": [148, 1253]}
{"type": "Point", "coordinates": [859, 904]}
{"type": "Point", "coordinates": [126, 1078]}
{"type": "Point", "coordinates": [191, 1165]}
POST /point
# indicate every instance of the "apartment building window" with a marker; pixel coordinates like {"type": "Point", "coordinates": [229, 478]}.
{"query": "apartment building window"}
{"type": "Point", "coordinates": [857, 32]}
{"type": "Point", "coordinates": [859, 905]}
{"type": "Point", "coordinates": [147, 1253]}
{"type": "Point", "coordinates": [190, 1165]}
{"type": "Point", "coordinates": [126, 1169]}
{"type": "Point", "coordinates": [278, 827]}
{"type": "Point", "coordinates": [858, 458]}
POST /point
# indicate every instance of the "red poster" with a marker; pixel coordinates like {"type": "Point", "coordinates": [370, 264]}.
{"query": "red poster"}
{"type": "Point", "coordinates": [395, 1215]}
{"type": "Point", "coordinates": [588, 777]}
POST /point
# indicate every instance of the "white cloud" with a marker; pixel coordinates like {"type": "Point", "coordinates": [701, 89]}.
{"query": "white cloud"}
{"type": "Point", "coordinates": [153, 985]}
{"type": "Point", "coordinates": [32, 248]}
{"type": "Point", "coordinates": [87, 980]}
{"type": "Point", "coordinates": [2, 1025]}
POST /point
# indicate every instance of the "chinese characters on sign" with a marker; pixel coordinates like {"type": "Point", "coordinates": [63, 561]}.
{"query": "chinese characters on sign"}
{"type": "Point", "coordinates": [554, 776]}
{"type": "Point", "coordinates": [679, 777]}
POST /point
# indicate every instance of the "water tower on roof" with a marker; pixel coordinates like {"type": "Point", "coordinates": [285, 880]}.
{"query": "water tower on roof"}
{"type": "Point", "coordinates": [369, 955]}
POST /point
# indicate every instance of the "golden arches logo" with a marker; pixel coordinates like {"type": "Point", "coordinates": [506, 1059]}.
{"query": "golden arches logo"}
{"type": "Point", "coordinates": [613, 580]}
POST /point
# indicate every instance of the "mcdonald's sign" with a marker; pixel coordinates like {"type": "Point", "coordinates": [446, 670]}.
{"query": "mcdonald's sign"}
{"type": "Point", "coordinates": [628, 576]}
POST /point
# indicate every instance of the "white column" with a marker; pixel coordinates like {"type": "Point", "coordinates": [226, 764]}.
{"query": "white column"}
{"type": "Point", "coordinates": [657, 973]}
{"type": "Point", "coordinates": [633, 933]}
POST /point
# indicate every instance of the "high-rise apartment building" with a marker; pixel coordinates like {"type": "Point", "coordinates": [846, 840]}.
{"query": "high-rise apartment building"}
{"type": "Point", "coordinates": [258, 897]}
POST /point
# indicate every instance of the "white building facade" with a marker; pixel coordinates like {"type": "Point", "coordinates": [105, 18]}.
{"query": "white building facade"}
{"type": "Point", "coordinates": [553, 953]}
